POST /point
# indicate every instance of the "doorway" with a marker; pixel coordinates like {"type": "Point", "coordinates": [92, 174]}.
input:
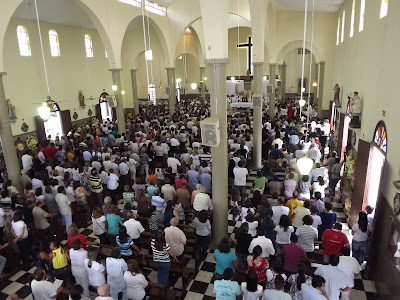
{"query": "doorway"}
{"type": "Point", "coordinates": [106, 111]}
{"type": "Point", "coordinates": [53, 125]}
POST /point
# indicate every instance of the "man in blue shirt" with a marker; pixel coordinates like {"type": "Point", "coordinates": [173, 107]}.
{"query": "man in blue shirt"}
{"type": "Point", "coordinates": [226, 289]}
{"type": "Point", "coordinates": [315, 291]}
{"type": "Point", "coordinates": [275, 153]}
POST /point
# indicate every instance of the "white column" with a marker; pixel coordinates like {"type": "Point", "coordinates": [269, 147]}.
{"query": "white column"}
{"type": "Point", "coordinates": [272, 75]}
{"type": "Point", "coordinates": [172, 85]}
{"type": "Point", "coordinates": [116, 76]}
{"type": "Point", "coordinates": [321, 87]}
{"type": "Point", "coordinates": [135, 92]}
{"type": "Point", "coordinates": [7, 140]}
{"type": "Point", "coordinates": [257, 116]}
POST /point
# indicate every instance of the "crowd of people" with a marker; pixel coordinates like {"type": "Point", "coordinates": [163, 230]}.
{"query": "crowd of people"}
{"type": "Point", "coordinates": [161, 174]}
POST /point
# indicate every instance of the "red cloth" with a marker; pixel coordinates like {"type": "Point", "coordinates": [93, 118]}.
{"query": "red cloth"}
{"type": "Point", "coordinates": [78, 236]}
{"type": "Point", "coordinates": [178, 182]}
{"type": "Point", "coordinates": [334, 241]}
{"type": "Point", "coordinates": [290, 112]}
{"type": "Point", "coordinates": [46, 151]}
{"type": "Point", "coordinates": [52, 152]}
{"type": "Point", "coordinates": [293, 254]}
{"type": "Point", "coordinates": [260, 270]}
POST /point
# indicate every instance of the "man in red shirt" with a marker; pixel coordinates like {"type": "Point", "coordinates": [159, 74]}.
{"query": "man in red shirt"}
{"type": "Point", "coordinates": [293, 254]}
{"type": "Point", "coordinates": [334, 240]}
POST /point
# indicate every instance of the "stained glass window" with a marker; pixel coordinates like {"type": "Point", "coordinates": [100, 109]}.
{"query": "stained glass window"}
{"type": "Point", "coordinates": [136, 3]}
{"type": "Point", "coordinates": [54, 107]}
{"type": "Point", "coordinates": [348, 111]}
{"type": "Point", "coordinates": [152, 93]}
{"type": "Point", "coordinates": [54, 44]}
{"type": "Point", "coordinates": [362, 10]}
{"type": "Point", "coordinates": [105, 51]}
{"type": "Point", "coordinates": [88, 45]}
{"type": "Point", "coordinates": [353, 14]}
{"type": "Point", "coordinates": [103, 97]}
{"type": "Point", "coordinates": [380, 137]}
{"type": "Point", "coordinates": [23, 41]}
{"type": "Point", "coordinates": [343, 22]}
{"type": "Point", "coordinates": [338, 32]}
{"type": "Point", "coordinates": [384, 8]}
{"type": "Point", "coordinates": [156, 8]}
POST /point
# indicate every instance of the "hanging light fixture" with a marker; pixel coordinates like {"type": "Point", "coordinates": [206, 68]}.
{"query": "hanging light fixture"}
{"type": "Point", "coordinates": [194, 85]}
{"type": "Point", "coordinates": [123, 92]}
{"type": "Point", "coordinates": [315, 83]}
{"type": "Point", "coordinates": [178, 80]}
{"type": "Point", "coordinates": [302, 102]}
{"type": "Point", "coordinates": [114, 88]}
{"type": "Point", "coordinates": [233, 78]}
{"type": "Point", "coordinates": [149, 55]}
{"type": "Point", "coordinates": [44, 111]}
{"type": "Point", "coordinates": [305, 165]}
{"type": "Point", "coordinates": [205, 78]}
{"type": "Point", "coordinates": [265, 78]}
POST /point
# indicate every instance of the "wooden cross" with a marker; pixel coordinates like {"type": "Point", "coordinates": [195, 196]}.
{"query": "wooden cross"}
{"type": "Point", "coordinates": [248, 45]}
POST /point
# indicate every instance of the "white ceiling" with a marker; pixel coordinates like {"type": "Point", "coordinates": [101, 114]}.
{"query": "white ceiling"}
{"type": "Point", "coordinates": [54, 11]}
{"type": "Point", "coordinates": [320, 5]}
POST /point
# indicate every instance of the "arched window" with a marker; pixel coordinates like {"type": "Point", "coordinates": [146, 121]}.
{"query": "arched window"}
{"type": "Point", "coordinates": [152, 93]}
{"type": "Point", "coordinates": [384, 8]}
{"type": "Point", "coordinates": [88, 45]}
{"type": "Point", "coordinates": [23, 41]}
{"type": "Point", "coordinates": [353, 14]}
{"type": "Point", "coordinates": [343, 23]}
{"type": "Point", "coordinates": [54, 44]}
{"type": "Point", "coordinates": [338, 32]}
{"type": "Point", "coordinates": [380, 137]}
{"type": "Point", "coordinates": [362, 10]}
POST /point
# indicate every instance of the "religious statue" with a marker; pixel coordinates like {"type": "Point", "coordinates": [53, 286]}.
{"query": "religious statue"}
{"type": "Point", "coordinates": [12, 114]}
{"type": "Point", "coordinates": [356, 107]}
{"type": "Point", "coordinates": [336, 89]}
{"type": "Point", "coordinates": [81, 99]}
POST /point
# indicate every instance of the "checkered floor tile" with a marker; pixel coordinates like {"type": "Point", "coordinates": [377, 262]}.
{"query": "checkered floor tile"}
{"type": "Point", "coordinates": [201, 287]}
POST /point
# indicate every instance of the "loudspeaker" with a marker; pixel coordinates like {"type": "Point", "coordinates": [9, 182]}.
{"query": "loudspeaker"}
{"type": "Point", "coordinates": [269, 89]}
{"type": "Point", "coordinates": [168, 90]}
{"type": "Point", "coordinates": [210, 134]}
{"type": "Point", "coordinates": [257, 101]}
{"type": "Point", "coordinates": [112, 102]}
{"type": "Point", "coordinates": [201, 84]}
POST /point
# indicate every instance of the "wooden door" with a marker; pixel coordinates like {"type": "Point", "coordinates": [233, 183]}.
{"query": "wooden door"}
{"type": "Point", "coordinates": [360, 178]}
{"type": "Point", "coordinates": [98, 112]}
{"type": "Point", "coordinates": [66, 122]}
{"type": "Point", "coordinates": [114, 113]}
{"type": "Point", "coordinates": [41, 131]}
{"type": "Point", "coordinates": [340, 135]}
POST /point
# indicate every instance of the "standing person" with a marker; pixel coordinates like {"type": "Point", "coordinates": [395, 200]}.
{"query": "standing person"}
{"type": "Point", "coordinates": [299, 213]}
{"type": "Point", "coordinates": [283, 232]}
{"type": "Point", "coordinates": [81, 199]}
{"type": "Point", "coordinates": [168, 213]}
{"type": "Point", "coordinates": [203, 228]}
{"type": "Point", "coordinates": [293, 254]}
{"type": "Point", "coordinates": [258, 264]}
{"type": "Point", "coordinates": [335, 176]}
{"type": "Point", "coordinates": [73, 233]}
{"type": "Point", "coordinates": [99, 225]}
{"type": "Point", "coordinates": [293, 203]}
{"type": "Point", "coordinates": [41, 288]}
{"type": "Point", "coordinates": [277, 292]}
{"type": "Point", "coordinates": [250, 288]}
{"type": "Point", "coordinates": [96, 271]}
{"type": "Point", "coordinates": [125, 243]}
{"type": "Point", "coordinates": [135, 281]}
{"type": "Point", "coordinates": [96, 187]}
{"type": "Point", "coordinates": [315, 291]}
{"type": "Point", "coordinates": [336, 280]}
{"type": "Point", "coordinates": [296, 280]}
{"type": "Point", "coordinates": [77, 293]}
{"type": "Point", "coordinates": [225, 288]}
{"type": "Point", "coordinates": [316, 218]}
{"type": "Point", "coordinates": [175, 238]}
{"type": "Point", "coordinates": [334, 239]}
{"type": "Point", "coordinates": [59, 257]}
{"type": "Point", "coordinates": [240, 174]}
{"type": "Point", "coordinates": [64, 206]}
{"type": "Point", "coordinates": [265, 243]}
{"type": "Point", "coordinates": [134, 228]}
{"type": "Point", "coordinates": [279, 210]}
{"type": "Point", "coordinates": [161, 257]}
{"type": "Point", "coordinates": [41, 224]}
{"type": "Point", "coordinates": [225, 258]}
{"type": "Point", "coordinates": [113, 221]}
{"type": "Point", "coordinates": [20, 232]}
{"type": "Point", "coordinates": [243, 240]}
{"type": "Point", "coordinates": [307, 235]}
{"type": "Point", "coordinates": [360, 232]}
{"type": "Point", "coordinates": [318, 202]}
{"type": "Point", "coordinates": [116, 267]}
{"type": "Point", "coordinates": [112, 185]}
{"type": "Point", "coordinates": [77, 256]}
{"type": "Point", "coordinates": [328, 218]}
{"type": "Point", "coordinates": [350, 266]}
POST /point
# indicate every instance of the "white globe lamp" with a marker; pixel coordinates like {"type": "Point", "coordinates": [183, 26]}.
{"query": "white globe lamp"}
{"type": "Point", "coordinates": [44, 111]}
{"type": "Point", "coordinates": [305, 164]}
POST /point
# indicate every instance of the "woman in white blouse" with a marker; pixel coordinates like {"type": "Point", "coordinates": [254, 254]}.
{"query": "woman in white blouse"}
{"type": "Point", "coordinates": [78, 256]}
{"type": "Point", "coordinates": [135, 281]}
{"type": "Point", "coordinates": [96, 271]}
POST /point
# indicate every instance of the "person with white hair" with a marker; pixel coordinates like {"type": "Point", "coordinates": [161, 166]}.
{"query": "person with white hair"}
{"type": "Point", "coordinates": [175, 238]}
{"type": "Point", "coordinates": [24, 178]}
{"type": "Point", "coordinates": [314, 153]}
{"type": "Point", "coordinates": [202, 201]}
{"type": "Point", "coordinates": [104, 292]}
{"type": "Point", "coordinates": [193, 176]}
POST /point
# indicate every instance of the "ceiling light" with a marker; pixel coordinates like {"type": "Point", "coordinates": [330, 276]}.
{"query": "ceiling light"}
{"type": "Point", "coordinates": [302, 102]}
{"type": "Point", "coordinates": [233, 78]}
{"type": "Point", "coordinates": [303, 89]}
{"type": "Point", "coordinates": [264, 78]}
{"type": "Point", "coordinates": [44, 111]}
{"type": "Point", "coordinates": [205, 78]}
{"type": "Point", "coordinates": [315, 83]}
{"type": "Point", "coordinates": [123, 92]}
{"type": "Point", "coordinates": [149, 55]}
{"type": "Point", "coordinates": [114, 88]}
{"type": "Point", "coordinates": [194, 85]}
{"type": "Point", "coordinates": [305, 165]}
{"type": "Point", "coordinates": [178, 80]}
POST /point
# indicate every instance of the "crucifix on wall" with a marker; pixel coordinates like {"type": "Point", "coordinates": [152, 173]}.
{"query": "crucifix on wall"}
{"type": "Point", "coordinates": [248, 45]}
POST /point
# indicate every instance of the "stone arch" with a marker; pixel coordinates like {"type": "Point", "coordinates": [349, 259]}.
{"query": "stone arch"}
{"type": "Point", "coordinates": [297, 44]}
{"type": "Point", "coordinates": [198, 41]}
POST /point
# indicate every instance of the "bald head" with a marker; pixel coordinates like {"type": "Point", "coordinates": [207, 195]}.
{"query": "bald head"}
{"type": "Point", "coordinates": [103, 290]}
{"type": "Point", "coordinates": [174, 221]}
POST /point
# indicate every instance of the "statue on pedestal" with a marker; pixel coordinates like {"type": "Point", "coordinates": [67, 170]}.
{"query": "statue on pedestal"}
{"type": "Point", "coordinates": [356, 108]}
{"type": "Point", "coordinates": [336, 95]}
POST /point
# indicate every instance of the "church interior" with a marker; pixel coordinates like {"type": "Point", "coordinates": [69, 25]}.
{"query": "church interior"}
{"type": "Point", "coordinates": [126, 62]}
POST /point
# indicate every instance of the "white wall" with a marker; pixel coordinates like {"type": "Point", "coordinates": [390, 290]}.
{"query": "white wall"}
{"type": "Point", "coordinates": [25, 83]}
{"type": "Point", "coordinates": [369, 63]}
{"type": "Point", "coordinates": [293, 61]}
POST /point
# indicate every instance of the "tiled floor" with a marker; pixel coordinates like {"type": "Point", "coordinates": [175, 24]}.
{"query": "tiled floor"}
{"type": "Point", "coordinates": [201, 287]}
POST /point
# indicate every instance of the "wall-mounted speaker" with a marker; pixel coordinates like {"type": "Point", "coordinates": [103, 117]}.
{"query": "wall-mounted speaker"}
{"type": "Point", "coordinates": [210, 134]}
{"type": "Point", "coordinates": [257, 101]}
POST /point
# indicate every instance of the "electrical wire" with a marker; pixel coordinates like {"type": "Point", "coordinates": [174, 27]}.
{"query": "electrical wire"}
{"type": "Point", "coordinates": [145, 50]}
{"type": "Point", "coordinates": [311, 57]}
{"type": "Point", "coordinates": [304, 50]}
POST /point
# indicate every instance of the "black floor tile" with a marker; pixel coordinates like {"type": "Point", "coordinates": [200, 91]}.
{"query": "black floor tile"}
{"type": "Point", "coordinates": [24, 279]}
{"type": "Point", "coordinates": [372, 296]}
{"type": "Point", "coordinates": [86, 232]}
{"type": "Point", "coordinates": [4, 284]}
{"type": "Point", "coordinates": [208, 298]}
{"type": "Point", "coordinates": [207, 266]}
{"type": "Point", "coordinates": [24, 292]}
{"type": "Point", "coordinates": [199, 287]}
{"type": "Point", "coordinates": [358, 284]}
{"type": "Point", "coordinates": [3, 296]}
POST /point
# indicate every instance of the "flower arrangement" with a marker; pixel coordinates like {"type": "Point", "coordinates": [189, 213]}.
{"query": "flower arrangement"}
{"type": "Point", "coordinates": [348, 181]}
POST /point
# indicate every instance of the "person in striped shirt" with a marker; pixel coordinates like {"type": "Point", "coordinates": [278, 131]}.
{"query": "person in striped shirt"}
{"type": "Point", "coordinates": [125, 243]}
{"type": "Point", "coordinates": [96, 187]}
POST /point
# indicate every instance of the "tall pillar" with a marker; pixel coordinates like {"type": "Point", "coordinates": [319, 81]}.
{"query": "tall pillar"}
{"type": "Point", "coordinates": [203, 90]}
{"type": "Point", "coordinates": [321, 87]}
{"type": "Point", "coordinates": [135, 92]}
{"type": "Point", "coordinates": [272, 75]}
{"type": "Point", "coordinates": [279, 87]}
{"type": "Point", "coordinates": [314, 89]}
{"type": "Point", "coordinates": [7, 140]}
{"type": "Point", "coordinates": [172, 85]}
{"type": "Point", "coordinates": [283, 81]}
{"type": "Point", "coordinates": [257, 116]}
{"type": "Point", "coordinates": [219, 154]}
{"type": "Point", "coordinates": [116, 76]}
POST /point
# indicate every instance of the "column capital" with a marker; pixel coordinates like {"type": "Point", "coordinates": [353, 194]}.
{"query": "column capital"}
{"type": "Point", "coordinates": [170, 68]}
{"type": "Point", "coordinates": [217, 61]}
{"type": "Point", "coordinates": [133, 70]}
{"type": "Point", "coordinates": [322, 62]}
{"type": "Point", "coordinates": [272, 65]}
{"type": "Point", "coordinates": [202, 67]}
{"type": "Point", "coordinates": [258, 63]}
{"type": "Point", "coordinates": [3, 73]}
{"type": "Point", "coordinates": [114, 70]}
